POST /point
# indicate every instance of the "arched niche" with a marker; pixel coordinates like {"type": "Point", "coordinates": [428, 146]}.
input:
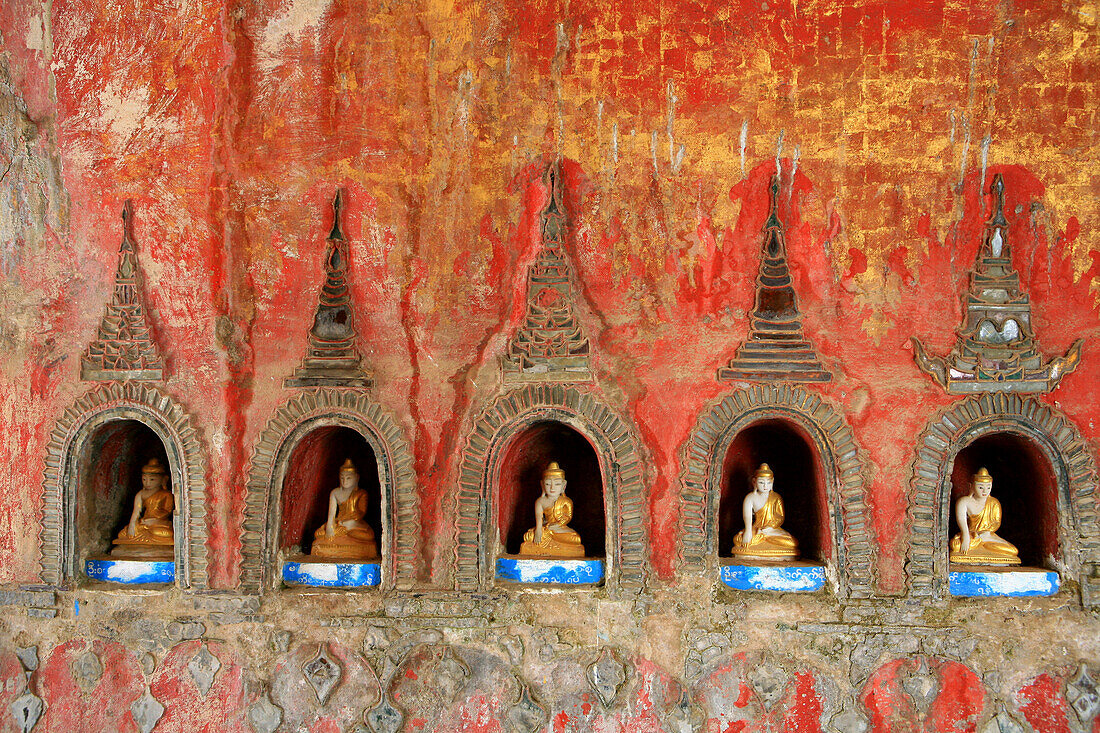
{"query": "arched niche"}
{"type": "Point", "coordinates": [313, 472]}
{"type": "Point", "coordinates": [519, 412]}
{"type": "Point", "coordinates": [799, 480]}
{"type": "Point", "coordinates": [747, 426]}
{"type": "Point", "coordinates": [1023, 482]}
{"type": "Point", "coordinates": [93, 465]}
{"type": "Point", "coordinates": [304, 436]}
{"type": "Point", "coordinates": [108, 477]}
{"type": "Point", "coordinates": [1058, 472]}
{"type": "Point", "coordinates": [520, 484]}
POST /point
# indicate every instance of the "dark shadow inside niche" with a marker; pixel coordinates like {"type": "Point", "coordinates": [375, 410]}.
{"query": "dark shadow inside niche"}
{"type": "Point", "coordinates": [520, 484]}
{"type": "Point", "coordinates": [313, 471]}
{"type": "Point", "coordinates": [109, 478]}
{"type": "Point", "coordinates": [799, 481]}
{"type": "Point", "coordinates": [1024, 483]}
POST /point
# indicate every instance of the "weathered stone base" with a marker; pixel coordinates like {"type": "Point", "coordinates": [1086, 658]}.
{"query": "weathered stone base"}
{"type": "Point", "coordinates": [793, 578]}
{"type": "Point", "coordinates": [331, 573]}
{"type": "Point", "coordinates": [130, 572]}
{"type": "Point", "coordinates": [980, 582]}
{"type": "Point", "coordinates": [554, 572]}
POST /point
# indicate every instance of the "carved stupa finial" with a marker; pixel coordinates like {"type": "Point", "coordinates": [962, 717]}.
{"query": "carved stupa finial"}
{"type": "Point", "coordinates": [124, 348]}
{"type": "Point", "coordinates": [776, 349]}
{"type": "Point", "coordinates": [337, 209]}
{"type": "Point", "coordinates": [333, 359]}
{"type": "Point", "coordinates": [549, 345]}
{"type": "Point", "coordinates": [996, 350]}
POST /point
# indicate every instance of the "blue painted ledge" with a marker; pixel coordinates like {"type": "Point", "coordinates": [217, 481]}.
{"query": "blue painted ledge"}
{"type": "Point", "coordinates": [326, 574]}
{"type": "Point", "coordinates": [553, 572]}
{"type": "Point", "coordinates": [799, 578]}
{"type": "Point", "coordinates": [1015, 582]}
{"type": "Point", "coordinates": [130, 572]}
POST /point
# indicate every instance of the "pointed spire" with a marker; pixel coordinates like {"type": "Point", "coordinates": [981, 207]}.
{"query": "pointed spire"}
{"type": "Point", "coordinates": [998, 191]}
{"type": "Point", "coordinates": [124, 348]}
{"type": "Point", "coordinates": [337, 208]}
{"type": "Point", "coordinates": [996, 350]}
{"type": "Point", "coordinates": [777, 349]}
{"type": "Point", "coordinates": [332, 359]}
{"type": "Point", "coordinates": [549, 345]}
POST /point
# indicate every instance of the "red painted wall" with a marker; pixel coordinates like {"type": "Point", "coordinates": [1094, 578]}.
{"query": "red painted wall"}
{"type": "Point", "coordinates": [230, 126]}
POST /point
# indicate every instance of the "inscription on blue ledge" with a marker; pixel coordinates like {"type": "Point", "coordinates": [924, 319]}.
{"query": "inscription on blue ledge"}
{"type": "Point", "coordinates": [995, 582]}
{"type": "Point", "coordinates": [130, 572]}
{"type": "Point", "coordinates": [332, 574]}
{"type": "Point", "coordinates": [553, 572]}
{"type": "Point", "coordinates": [801, 578]}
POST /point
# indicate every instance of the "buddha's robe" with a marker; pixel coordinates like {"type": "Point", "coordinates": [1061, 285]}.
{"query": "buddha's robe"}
{"type": "Point", "coordinates": [155, 525]}
{"type": "Point", "coordinates": [558, 540]}
{"type": "Point", "coordinates": [768, 539]}
{"type": "Point", "coordinates": [984, 551]}
{"type": "Point", "coordinates": [355, 543]}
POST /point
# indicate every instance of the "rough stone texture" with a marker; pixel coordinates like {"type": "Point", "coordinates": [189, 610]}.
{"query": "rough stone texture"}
{"type": "Point", "coordinates": [230, 125]}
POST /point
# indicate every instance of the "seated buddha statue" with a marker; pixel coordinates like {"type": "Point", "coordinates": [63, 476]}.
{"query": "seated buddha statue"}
{"type": "Point", "coordinates": [345, 535]}
{"type": "Point", "coordinates": [552, 536]}
{"type": "Point", "coordinates": [148, 534]}
{"type": "Point", "coordinates": [979, 518]}
{"type": "Point", "coordinates": [763, 537]}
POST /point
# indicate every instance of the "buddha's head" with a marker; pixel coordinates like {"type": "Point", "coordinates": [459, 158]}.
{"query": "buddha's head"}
{"type": "Point", "coordinates": [553, 481]}
{"type": "Point", "coordinates": [763, 479]}
{"type": "Point", "coordinates": [349, 477]}
{"type": "Point", "coordinates": [983, 483]}
{"type": "Point", "coordinates": [153, 475]}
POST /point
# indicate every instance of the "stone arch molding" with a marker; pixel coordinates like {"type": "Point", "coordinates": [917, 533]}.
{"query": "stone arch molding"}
{"type": "Point", "coordinates": [930, 487]}
{"type": "Point", "coordinates": [315, 408]}
{"type": "Point", "coordinates": [705, 450]}
{"type": "Point", "coordinates": [620, 466]}
{"type": "Point", "coordinates": [171, 423]}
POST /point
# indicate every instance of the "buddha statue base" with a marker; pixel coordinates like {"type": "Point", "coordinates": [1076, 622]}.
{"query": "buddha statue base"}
{"type": "Point", "coordinates": [550, 550]}
{"type": "Point", "coordinates": [765, 553]}
{"type": "Point", "coordinates": [143, 550]}
{"type": "Point", "coordinates": [344, 547]}
{"type": "Point", "coordinates": [982, 559]}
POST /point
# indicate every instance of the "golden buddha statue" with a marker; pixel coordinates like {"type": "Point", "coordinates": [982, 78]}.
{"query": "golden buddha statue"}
{"type": "Point", "coordinates": [763, 538]}
{"type": "Point", "coordinates": [345, 535]}
{"type": "Point", "coordinates": [979, 518]}
{"type": "Point", "coordinates": [552, 536]}
{"type": "Point", "coordinates": [149, 533]}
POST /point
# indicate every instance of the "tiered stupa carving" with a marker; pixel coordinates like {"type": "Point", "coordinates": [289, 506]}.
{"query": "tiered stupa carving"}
{"type": "Point", "coordinates": [332, 359]}
{"type": "Point", "coordinates": [996, 349]}
{"type": "Point", "coordinates": [124, 347]}
{"type": "Point", "coordinates": [776, 349]}
{"type": "Point", "coordinates": [549, 345]}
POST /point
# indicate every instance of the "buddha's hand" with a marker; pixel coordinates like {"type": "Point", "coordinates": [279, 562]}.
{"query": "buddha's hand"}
{"type": "Point", "coordinates": [538, 536]}
{"type": "Point", "coordinates": [747, 536]}
{"type": "Point", "coordinates": [330, 530]}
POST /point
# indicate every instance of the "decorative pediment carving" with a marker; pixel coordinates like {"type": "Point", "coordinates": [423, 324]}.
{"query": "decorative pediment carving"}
{"type": "Point", "coordinates": [549, 345]}
{"type": "Point", "coordinates": [124, 348]}
{"type": "Point", "coordinates": [333, 359]}
{"type": "Point", "coordinates": [996, 349]}
{"type": "Point", "coordinates": [776, 349]}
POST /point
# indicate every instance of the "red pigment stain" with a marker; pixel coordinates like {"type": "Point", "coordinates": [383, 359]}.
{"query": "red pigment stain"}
{"type": "Point", "coordinates": [1043, 705]}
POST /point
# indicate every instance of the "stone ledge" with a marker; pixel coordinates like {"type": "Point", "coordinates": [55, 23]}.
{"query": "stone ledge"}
{"type": "Point", "coordinates": [1015, 582]}
{"type": "Point", "coordinates": [551, 572]}
{"type": "Point", "coordinates": [321, 574]}
{"type": "Point", "coordinates": [793, 578]}
{"type": "Point", "coordinates": [130, 572]}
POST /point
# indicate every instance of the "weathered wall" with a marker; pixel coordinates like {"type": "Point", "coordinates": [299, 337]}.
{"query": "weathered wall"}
{"type": "Point", "coordinates": [230, 126]}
